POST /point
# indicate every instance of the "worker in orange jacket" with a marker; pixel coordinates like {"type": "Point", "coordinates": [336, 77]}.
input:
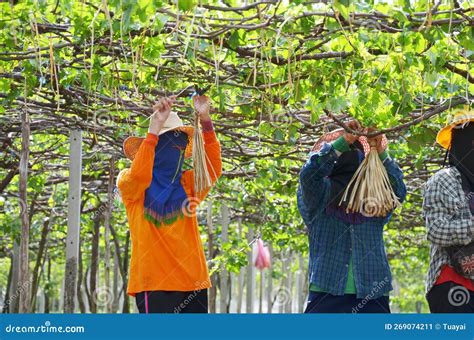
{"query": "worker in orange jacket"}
{"type": "Point", "coordinates": [168, 270]}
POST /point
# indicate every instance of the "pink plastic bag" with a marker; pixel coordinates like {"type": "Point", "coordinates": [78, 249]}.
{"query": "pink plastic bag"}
{"type": "Point", "coordinates": [261, 255]}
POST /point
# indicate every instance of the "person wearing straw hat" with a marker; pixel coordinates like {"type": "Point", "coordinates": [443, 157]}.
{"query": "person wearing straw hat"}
{"type": "Point", "coordinates": [448, 208]}
{"type": "Point", "coordinates": [348, 266]}
{"type": "Point", "coordinates": [168, 270]}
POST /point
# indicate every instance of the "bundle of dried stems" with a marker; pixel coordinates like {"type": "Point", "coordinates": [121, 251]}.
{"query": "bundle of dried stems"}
{"type": "Point", "coordinates": [369, 192]}
{"type": "Point", "coordinates": [202, 178]}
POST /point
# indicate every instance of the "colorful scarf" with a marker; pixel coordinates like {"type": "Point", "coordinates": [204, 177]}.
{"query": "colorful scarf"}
{"type": "Point", "coordinates": [165, 196]}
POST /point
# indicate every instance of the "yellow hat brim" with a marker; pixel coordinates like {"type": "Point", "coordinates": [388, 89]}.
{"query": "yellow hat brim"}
{"type": "Point", "coordinates": [444, 135]}
{"type": "Point", "coordinates": [132, 144]}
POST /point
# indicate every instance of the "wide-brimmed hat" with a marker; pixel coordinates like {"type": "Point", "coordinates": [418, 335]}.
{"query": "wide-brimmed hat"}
{"type": "Point", "coordinates": [173, 123]}
{"type": "Point", "coordinates": [458, 118]}
{"type": "Point", "coordinates": [333, 135]}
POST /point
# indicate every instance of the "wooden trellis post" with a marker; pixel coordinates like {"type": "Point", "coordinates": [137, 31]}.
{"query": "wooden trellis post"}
{"type": "Point", "coordinates": [288, 293]}
{"type": "Point", "coordinates": [285, 288]}
{"type": "Point", "coordinates": [13, 294]}
{"type": "Point", "coordinates": [395, 293]}
{"type": "Point", "coordinates": [261, 291]}
{"type": "Point", "coordinates": [270, 282]}
{"type": "Point", "coordinates": [107, 221]}
{"type": "Point", "coordinates": [224, 289]}
{"type": "Point", "coordinates": [250, 275]}
{"type": "Point", "coordinates": [73, 220]}
{"type": "Point", "coordinates": [115, 303]}
{"type": "Point", "coordinates": [24, 282]}
{"type": "Point", "coordinates": [240, 279]}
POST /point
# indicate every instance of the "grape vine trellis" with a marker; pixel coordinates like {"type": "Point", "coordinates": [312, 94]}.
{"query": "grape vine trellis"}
{"type": "Point", "coordinates": [281, 72]}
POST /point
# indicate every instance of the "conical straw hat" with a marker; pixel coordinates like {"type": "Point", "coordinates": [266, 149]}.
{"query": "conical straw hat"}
{"type": "Point", "coordinates": [333, 135]}
{"type": "Point", "coordinates": [459, 117]}
{"type": "Point", "coordinates": [132, 143]}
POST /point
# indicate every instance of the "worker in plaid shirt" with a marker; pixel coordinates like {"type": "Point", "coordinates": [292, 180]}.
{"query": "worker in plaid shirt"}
{"type": "Point", "coordinates": [348, 266]}
{"type": "Point", "coordinates": [448, 208]}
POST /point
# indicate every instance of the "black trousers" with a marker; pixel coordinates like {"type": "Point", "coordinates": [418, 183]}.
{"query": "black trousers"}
{"type": "Point", "coordinates": [348, 303]}
{"type": "Point", "coordinates": [449, 297]}
{"type": "Point", "coordinates": [160, 301]}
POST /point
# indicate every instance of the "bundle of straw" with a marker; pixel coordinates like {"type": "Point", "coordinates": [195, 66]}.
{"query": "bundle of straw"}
{"type": "Point", "coordinates": [202, 179]}
{"type": "Point", "coordinates": [371, 194]}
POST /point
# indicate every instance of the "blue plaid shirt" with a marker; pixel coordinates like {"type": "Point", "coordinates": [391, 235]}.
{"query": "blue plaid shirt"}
{"type": "Point", "coordinates": [332, 242]}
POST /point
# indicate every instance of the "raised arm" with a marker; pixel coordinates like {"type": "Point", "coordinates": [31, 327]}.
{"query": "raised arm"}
{"type": "Point", "coordinates": [213, 151]}
{"type": "Point", "coordinates": [212, 148]}
{"type": "Point", "coordinates": [444, 221]}
{"type": "Point", "coordinates": [314, 184]}
{"type": "Point", "coordinates": [133, 182]}
{"type": "Point", "coordinates": [394, 172]}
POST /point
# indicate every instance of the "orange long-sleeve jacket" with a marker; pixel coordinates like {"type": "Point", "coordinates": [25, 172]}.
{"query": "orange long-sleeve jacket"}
{"type": "Point", "coordinates": [170, 257]}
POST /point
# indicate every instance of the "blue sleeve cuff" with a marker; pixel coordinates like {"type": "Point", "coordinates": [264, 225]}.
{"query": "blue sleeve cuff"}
{"type": "Point", "coordinates": [327, 152]}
